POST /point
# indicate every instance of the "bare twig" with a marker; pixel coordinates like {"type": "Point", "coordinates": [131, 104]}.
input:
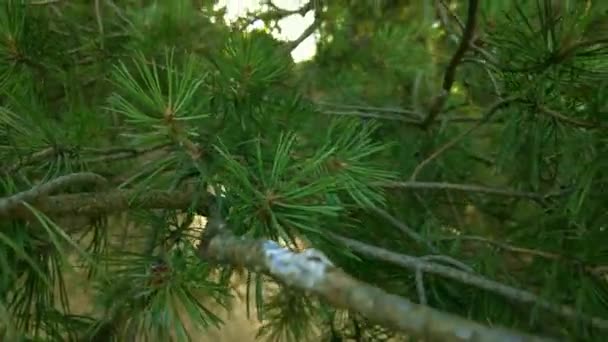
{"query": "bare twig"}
{"type": "Point", "coordinates": [281, 13]}
{"type": "Point", "coordinates": [591, 269]}
{"type": "Point", "coordinates": [408, 112]}
{"type": "Point", "coordinates": [32, 158]}
{"type": "Point", "coordinates": [420, 287]}
{"type": "Point", "coordinates": [450, 73]}
{"type": "Point", "coordinates": [98, 17]}
{"type": "Point", "coordinates": [453, 15]}
{"type": "Point", "coordinates": [381, 116]}
{"type": "Point", "coordinates": [465, 188]}
{"type": "Point", "coordinates": [509, 292]}
{"type": "Point", "coordinates": [491, 111]}
{"type": "Point", "coordinates": [405, 229]}
{"type": "Point", "coordinates": [7, 204]}
{"type": "Point", "coordinates": [116, 154]}
{"type": "Point", "coordinates": [43, 2]}
{"type": "Point", "coordinates": [96, 155]}
{"type": "Point", "coordinates": [292, 45]}
{"type": "Point", "coordinates": [561, 117]}
{"type": "Point", "coordinates": [448, 260]}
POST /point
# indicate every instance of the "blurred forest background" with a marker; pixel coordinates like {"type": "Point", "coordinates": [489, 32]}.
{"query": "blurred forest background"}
{"type": "Point", "coordinates": [469, 136]}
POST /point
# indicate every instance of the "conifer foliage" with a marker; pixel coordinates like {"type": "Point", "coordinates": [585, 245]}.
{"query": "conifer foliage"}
{"type": "Point", "coordinates": [437, 170]}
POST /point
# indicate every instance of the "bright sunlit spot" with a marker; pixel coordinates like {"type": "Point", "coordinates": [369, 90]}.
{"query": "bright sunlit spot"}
{"type": "Point", "coordinates": [291, 27]}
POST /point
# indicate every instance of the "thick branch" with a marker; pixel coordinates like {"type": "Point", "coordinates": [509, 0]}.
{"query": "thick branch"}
{"type": "Point", "coordinates": [311, 271]}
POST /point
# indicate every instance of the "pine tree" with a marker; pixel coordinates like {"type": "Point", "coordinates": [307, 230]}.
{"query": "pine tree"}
{"type": "Point", "coordinates": [437, 171]}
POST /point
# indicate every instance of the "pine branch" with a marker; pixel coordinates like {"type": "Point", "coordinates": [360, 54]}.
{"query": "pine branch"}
{"type": "Point", "coordinates": [311, 271]}
{"type": "Point", "coordinates": [450, 73]}
{"type": "Point", "coordinates": [509, 292]}
{"type": "Point", "coordinates": [10, 203]}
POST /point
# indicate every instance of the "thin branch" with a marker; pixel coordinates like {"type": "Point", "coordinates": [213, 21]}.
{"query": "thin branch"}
{"type": "Point", "coordinates": [466, 188]}
{"type": "Point", "coordinates": [385, 116]}
{"type": "Point", "coordinates": [450, 73]}
{"type": "Point", "coordinates": [116, 154]}
{"type": "Point", "coordinates": [493, 109]}
{"type": "Point", "coordinates": [28, 160]}
{"type": "Point", "coordinates": [98, 17]}
{"type": "Point", "coordinates": [409, 112]}
{"type": "Point", "coordinates": [95, 204]}
{"type": "Point", "coordinates": [420, 287]}
{"type": "Point", "coordinates": [8, 204]}
{"type": "Point", "coordinates": [43, 2]}
{"type": "Point", "coordinates": [453, 15]}
{"type": "Point", "coordinates": [414, 122]}
{"type": "Point", "coordinates": [406, 229]}
{"type": "Point", "coordinates": [594, 270]}
{"type": "Point", "coordinates": [514, 294]}
{"type": "Point", "coordinates": [281, 13]}
{"type": "Point", "coordinates": [292, 45]}
{"type": "Point", "coordinates": [311, 271]}
{"type": "Point", "coordinates": [448, 260]}
{"type": "Point", "coordinates": [561, 117]}
{"type": "Point", "coordinates": [97, 155]}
